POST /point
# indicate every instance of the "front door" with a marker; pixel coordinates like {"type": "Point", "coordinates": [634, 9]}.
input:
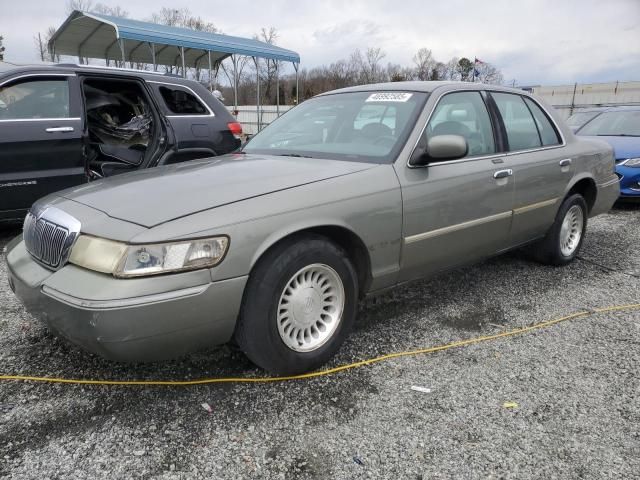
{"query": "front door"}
{"type": "Point", "coordinates": [40, 140]}
{"type": "Point", "coordinates": [458, 211]}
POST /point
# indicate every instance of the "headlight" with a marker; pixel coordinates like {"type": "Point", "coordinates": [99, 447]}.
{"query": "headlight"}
{"type": "Point", "coordinates": [631, 162]}
{"type": "Point", "coordinates": [124, 260]}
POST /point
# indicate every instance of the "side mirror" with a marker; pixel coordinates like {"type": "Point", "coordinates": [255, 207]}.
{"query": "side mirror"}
{"type": "Point", "coordinates": [447, 147]}
{"type": "Point", "coordinates": [441, 148]}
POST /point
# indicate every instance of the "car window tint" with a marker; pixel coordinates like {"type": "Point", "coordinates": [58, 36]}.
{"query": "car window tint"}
{"type": "Point", "coordinates": [522, 132]}
{"type": "Point", "coordinates": [464, 114]}
{"type": "Point", "coordinates": [182, 102]}
{"type": "Point", "coordinates": [548, 133]}
{"type": "Point", "coordinates": [34, 99]}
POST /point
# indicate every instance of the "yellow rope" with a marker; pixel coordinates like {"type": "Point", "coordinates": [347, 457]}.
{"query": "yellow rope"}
{"type": "Point", "coordinates": [321, 373]}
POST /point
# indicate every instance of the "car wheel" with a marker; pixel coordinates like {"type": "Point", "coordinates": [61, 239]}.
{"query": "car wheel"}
{"type": "Point", "coordinates": [563, 241]}
{"type": "Point", "coordinates": [299, 305]}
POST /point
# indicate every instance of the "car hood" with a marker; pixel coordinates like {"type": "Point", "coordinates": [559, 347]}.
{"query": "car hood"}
{"type": "Point", "coordinates": [158, 195]}
{"type": "Point", "coordinates": [625, 147]}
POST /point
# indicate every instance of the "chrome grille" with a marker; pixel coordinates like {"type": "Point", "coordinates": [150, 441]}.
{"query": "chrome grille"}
{"type": "Point", "coordinates": [48, 236]}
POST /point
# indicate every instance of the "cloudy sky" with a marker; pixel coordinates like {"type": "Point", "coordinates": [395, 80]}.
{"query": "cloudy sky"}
{"type": "Point", "coordinates": [531, 41]}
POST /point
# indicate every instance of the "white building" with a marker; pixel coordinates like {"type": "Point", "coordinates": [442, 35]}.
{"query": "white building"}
{"type": "Point", "coordinates": [568, 98]}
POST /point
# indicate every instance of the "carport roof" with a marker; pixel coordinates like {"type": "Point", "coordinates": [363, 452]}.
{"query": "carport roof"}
{"type": "Point", "coordinates": [95, 35]}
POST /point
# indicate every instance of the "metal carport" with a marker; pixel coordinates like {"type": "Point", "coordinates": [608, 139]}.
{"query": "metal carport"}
{"type": "Point", "coordinates": [109, 38]}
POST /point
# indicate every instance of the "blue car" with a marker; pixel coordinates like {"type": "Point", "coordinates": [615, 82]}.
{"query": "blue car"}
{"type": "Point", "coordinates": [620, 127]}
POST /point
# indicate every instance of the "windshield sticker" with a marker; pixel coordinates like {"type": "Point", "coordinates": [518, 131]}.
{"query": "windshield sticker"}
{"type": "Point", "coordinates": [389, 97]}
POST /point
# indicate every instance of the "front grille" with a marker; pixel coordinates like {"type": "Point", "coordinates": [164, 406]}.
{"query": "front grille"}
{"type": "Point", "coordinates": [49, 235]}
{"type": "Point", "coordinates": [45, 240]}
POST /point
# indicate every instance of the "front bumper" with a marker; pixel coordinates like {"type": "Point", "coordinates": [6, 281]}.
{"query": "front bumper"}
{"type": "Point", "coordinates": [629, 182]}
{"type": "Point", "coordinates": [132, 320]}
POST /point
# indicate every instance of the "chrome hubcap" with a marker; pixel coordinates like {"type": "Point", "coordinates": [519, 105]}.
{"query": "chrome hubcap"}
{"type": "Point", "coordinates": [310, 308]}
{"type": "Point", "coordinates": [571, 231]}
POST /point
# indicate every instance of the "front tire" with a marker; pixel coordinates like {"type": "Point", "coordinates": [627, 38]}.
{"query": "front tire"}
{"type": "Point", "coordinates": [299, 305]}
{"type": "Point", "coordinates": [564, 239]}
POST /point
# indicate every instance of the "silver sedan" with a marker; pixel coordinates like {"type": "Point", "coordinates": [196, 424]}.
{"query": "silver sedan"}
{"type": "Point", "coordinates": [351, 193]}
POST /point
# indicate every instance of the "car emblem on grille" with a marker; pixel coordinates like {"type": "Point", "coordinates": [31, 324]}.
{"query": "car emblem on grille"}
{"type": "Point", "coordinates": [49, 234]}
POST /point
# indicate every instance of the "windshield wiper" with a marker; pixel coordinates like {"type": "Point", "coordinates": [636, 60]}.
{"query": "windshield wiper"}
{"type": "Point", "coordinates": [617, 135]}
{"type": "Point", "coordinates": [297, 155]}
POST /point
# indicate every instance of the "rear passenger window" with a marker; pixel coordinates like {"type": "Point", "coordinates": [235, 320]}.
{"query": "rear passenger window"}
{"type": "Point", "coordinates": [464, 114]}
{"type": "Point", "coordinates": [522, 132]}
{"type": "Point", "coordinates": [181, 102]}
{"type": "Point", "coordinates": [548, 133]}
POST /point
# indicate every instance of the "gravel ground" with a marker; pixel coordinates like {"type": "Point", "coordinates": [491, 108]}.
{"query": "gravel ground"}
{"type": "Point", "coordinates": [575, 384]}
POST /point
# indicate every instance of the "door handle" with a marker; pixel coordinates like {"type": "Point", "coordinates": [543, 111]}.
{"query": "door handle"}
{"type": "Point", "coordinates": [503, 173]}
{"type": "Point", "coordinates": [565, 163]}
{"type": "Point", "coordinates": [59, 129]}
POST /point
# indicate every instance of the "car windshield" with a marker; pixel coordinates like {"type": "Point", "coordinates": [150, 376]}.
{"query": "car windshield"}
{"type": "Point", "coordinates": [580, 118]}
{"type": "Point", "coordinates": [359, 126]}
{"type": "Point", "coordinates": [616, 124]}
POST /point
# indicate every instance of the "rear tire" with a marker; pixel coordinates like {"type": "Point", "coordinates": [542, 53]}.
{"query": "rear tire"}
{"type": "Point", "coordinates": [299, 305]}
{"type": "Point", "coordinates": [564, 239]}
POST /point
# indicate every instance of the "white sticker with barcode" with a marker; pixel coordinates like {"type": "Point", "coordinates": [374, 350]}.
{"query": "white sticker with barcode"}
{"type": "Point", "coordinates": [389, 97]}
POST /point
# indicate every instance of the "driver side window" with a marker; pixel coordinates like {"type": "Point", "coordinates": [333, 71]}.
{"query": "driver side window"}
{"type": "Point", "coordinates": [464, 114]}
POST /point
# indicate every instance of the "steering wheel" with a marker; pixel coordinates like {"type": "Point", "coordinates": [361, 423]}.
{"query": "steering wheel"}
{"type": "Point", "coordinates": [385, 139]}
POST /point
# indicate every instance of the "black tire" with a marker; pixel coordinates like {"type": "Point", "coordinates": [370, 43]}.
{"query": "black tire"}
{"type": "Point", "coordinates": [257, 330]}
{"type": "Point", "coordinates": [548, 250]}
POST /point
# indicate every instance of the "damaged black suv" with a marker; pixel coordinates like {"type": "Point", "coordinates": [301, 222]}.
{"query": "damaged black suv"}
{"type": "Point", "coordinates": [64, 125]}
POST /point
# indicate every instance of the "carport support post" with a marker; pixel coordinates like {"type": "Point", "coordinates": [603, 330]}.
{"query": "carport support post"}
{"type": "Point", "coordinates": [152, 46]}
{"type": "Point", "coordinates": [124, 61]}
{"type": "Point", "coordinates": [184, 72]}
{"type": "Point", "coordinates": [234, 61]}
{"type": "Point", "coordinates": [277, 89]}
{"type": "Point", "coordinates": [295, 67]}
{"type": "Point", "coordinates": [255, 61]}
{"type": "Point", "coordinates": [210, 82]}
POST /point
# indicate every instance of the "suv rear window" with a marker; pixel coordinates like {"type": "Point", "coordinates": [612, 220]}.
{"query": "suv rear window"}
{"type": "Point", "coordinates": [181, 102]}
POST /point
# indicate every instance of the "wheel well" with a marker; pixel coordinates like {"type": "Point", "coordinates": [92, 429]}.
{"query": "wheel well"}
{"type": "Point", "coordinates": [587, 188]}
{"type": "Point", "coordinates": [349, 242]}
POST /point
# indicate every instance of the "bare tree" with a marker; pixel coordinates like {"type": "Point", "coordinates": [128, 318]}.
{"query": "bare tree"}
{"type": "Point", "coordinates": [487, 73]}
{"type": "Point", "coordinates": [270, 68]}
{"type": "Point", "coordinates": [1, 49]}
{"type": "Point", "coordinates": [114, 11]}
{"type": "Point", "coordinates": [183, 17]}
{"type": "Point", "coordinates": [451, 69]}
{"type": "Point", "coordinates": [374, 72]}
{"type": "Point", "coordinates": [425, 64]}
{"type": "Point", "coordinates": [82, 5]}
{"type": "Point", "coordinates": [41, 41]}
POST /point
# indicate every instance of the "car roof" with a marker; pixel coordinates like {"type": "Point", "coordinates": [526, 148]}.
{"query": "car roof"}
{"type": "Point", "coordinates": [427, 87]}
{"type": "Point", "coordinates": [94, 69]}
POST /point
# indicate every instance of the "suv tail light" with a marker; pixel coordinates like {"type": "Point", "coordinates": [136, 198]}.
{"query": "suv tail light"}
{"type": "Point", "coordinates": [235, 128]}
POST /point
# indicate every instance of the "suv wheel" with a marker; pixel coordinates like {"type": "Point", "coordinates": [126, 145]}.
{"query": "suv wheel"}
{"type": "Point", "coordinates": [563, 241]}
{"type": "Point", "coordinates": [299, 305]}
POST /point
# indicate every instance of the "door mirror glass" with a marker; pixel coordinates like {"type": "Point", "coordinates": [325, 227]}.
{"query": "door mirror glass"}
{"type": "Point", "coordinates": [446, 147]}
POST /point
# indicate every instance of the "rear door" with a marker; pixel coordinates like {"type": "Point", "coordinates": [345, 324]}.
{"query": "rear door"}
{"type": "Point", "coordinates": [191, 119]}
{"type": "Point", "coordinates": [458, 211]}
{"type": "Point", "coordinates": [541, 168]}
{"type": "Point", "coordinates": [40, 139]}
